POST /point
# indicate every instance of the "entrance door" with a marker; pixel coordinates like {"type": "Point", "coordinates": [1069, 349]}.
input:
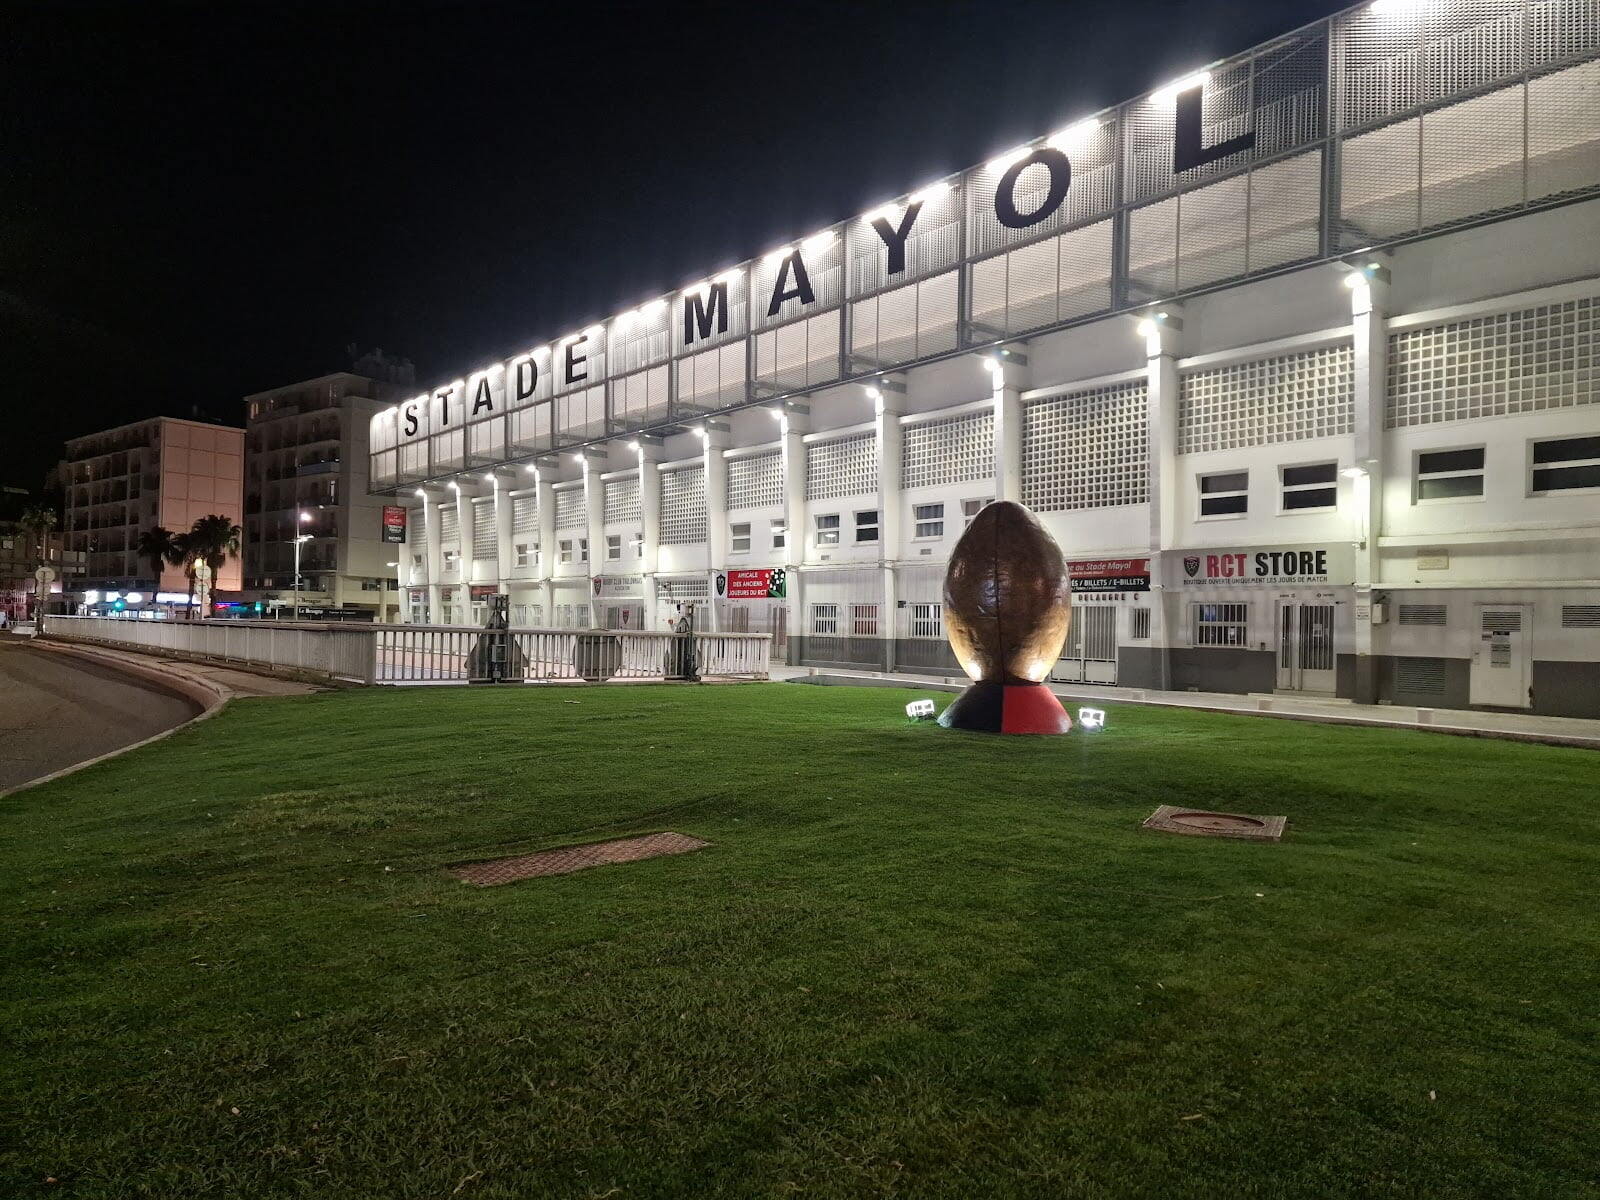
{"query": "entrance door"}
{"type": "Point", "coordinates": [1090, 655]}
{"type": "Point", "coordinates": [1502, 659]}
{"type": "Point", "coordinates": [1305, 647]}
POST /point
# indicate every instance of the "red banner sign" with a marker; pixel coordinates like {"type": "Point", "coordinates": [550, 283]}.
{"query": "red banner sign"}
{"type": "Point", "coordinates": [394, 523]}
{"type": "Point", "coordinates": [763, 584]}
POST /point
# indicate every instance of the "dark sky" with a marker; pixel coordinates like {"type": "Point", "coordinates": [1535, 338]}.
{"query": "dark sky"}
{"type": "Point", "coordinates": [198, 201]}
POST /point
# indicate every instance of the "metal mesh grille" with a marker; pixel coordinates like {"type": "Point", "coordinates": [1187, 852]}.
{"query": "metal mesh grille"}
{"type": "Point", "coordinates": [696, 587]}
{"type": "Point", "coordinates": [846, 466]}
{"type": "Point", "coordinates": [525, 514]}
{"type": "Point", "coordinates": [622, 501]}
{"type": "Point", "coordinates": [1419, 676]}
{"type": "Point", "coordinates": [449, 525]}
{"type": "Point", "coordinates": [1423, 614]}
{"type": "Point", "coordinates": [932, 245]}
{"type": "Point", "coordinates": [713, 379]}
{"type": "Point", "coordinates": [483, 531]}
{"type": "Point", "coordinates": [756, 481]}
{"type": "Point", "coordinates": [909, 322]}
{"type": "Point", "coordinates": [824, 270]}
{"type": "Point", "coordinates": [639, 399]}
{"type": "Point", "coordinates": [800, 354]}
{"type": "Point", "coordinates": [1564, 126]}
{"type": "Point", "coordinates": [1491, 366]}
{"type": "Point", "coordinates": [1285, 399]}
{"type": "Point", "coordinates": [683, 506]}
{"type": "Point", "coordinates": [1045, 282]}
{"type": "Point", "coordinates": [1092, 152]}
{"type": "Point", "coordinates": [571, 510]}
{"type": "Point", "coordinates": [951, 451]}
{"type": "Point", "coordinates": [1580, 616]}
{"type": "Point", "coordinates": [640, 338]}
{"type": "Point", "coordinates": [1086, 450]}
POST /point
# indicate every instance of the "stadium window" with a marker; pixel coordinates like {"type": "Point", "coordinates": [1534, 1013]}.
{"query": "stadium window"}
{"type": "Point", "coordinates": [867, 525]}
{"type": "Point", "coordinates": [1310, 488]}
{"type": "Point", "coordinates": [864, 620]}
{"type": "Point", "coordinates": [1225, 495]}
{"type": "Point", "coordinates": [780, 530]}
{"type": "Point", "coordinates": [527, 556]}
{"type": "Point", "coordinates": [971, 508]}
{"type": "Point", "coordinates": [928, 520]}
{"type": "Point", "coordinates": [1141, 624]}
{"type": "Point", "coordinates": [416, 562]}
{"type": "Point", "coordinates": [1219, 624]}
{"type": "Point", "coordinates": [638, 545]}
{"type": "Point", "coordinates": [825, 619]}
{"type": "Point", "coordinates": [927, 621]}
{"type": "Point", "coordinates": [1449, 475]}
{"type": "Point", "coordinates": [1565, 465]}
{"type": "Point", "coordinates": [583, 550]}
{"type": "Point", "coordinates": [739, 538]}
{"type": "Point", "coordinates": [827, 529]}
{"type": "Point", "coordinates": [452, 559]}
{"type": "Point", "coordinates": [613, 547]}
{"type": "Point", "coordinates": [564, 552]}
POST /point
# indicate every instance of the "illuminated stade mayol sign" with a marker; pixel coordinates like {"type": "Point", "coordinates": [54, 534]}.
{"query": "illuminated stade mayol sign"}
{"type": "Point", "coordinates": [705, 310]}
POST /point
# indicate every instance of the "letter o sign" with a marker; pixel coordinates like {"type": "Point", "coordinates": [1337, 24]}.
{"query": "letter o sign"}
{"type": "Point", "coordinates": [1005, 203]}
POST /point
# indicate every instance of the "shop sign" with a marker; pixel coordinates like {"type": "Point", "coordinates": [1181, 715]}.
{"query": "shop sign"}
{"type": "Point", "coordinates": [1280, 567]}
{"type": "Point", "coordinates": [762, 584]}
{"type": "Point", "coordinates": [1109, 574]}
{"type": "Point", "coordinates": [394, 523]}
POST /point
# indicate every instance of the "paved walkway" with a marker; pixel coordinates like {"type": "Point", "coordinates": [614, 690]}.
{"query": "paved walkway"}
{"type": "Point", "coordinates": [63, 707]}
{"type": "Point", "coordinates": [1567, 731]}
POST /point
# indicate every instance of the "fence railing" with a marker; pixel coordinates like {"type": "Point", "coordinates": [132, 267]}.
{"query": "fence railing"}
{"type": "Point", "coordinates": [437, 653]}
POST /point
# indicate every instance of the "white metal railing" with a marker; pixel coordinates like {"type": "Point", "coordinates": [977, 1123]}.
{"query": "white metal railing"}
{"type": "Point", "coordinates": [434, 653]}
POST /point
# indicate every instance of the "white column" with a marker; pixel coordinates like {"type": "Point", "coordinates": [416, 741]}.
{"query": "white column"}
{"type": "Point", "coordinates": [1163, 337]}
{"type": "Point", "coordinates": [594, 507]}
{"type": "Point", "coordinates": [543, 477]}
{"type": "Point", "coordinates": [889, 401]}
{"type": "Point", "coordinates": [1369, 302]}
{"type": "Point", "coordinates": [792, 427]}
{"type": "Point", "coordinates": [504, 558]}
{"type": "Point", "coordinates": [431, 508]}
{"type": "Point", "coordinates": [649, 522]}
{"type": "Point", "coordinates": [1008, 377]}
{"type": "Point", "coordinates": [717, 440]}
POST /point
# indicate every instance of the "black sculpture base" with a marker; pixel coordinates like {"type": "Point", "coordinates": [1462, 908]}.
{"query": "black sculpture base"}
{"type": "Point", "coordinates": [1007, 708]}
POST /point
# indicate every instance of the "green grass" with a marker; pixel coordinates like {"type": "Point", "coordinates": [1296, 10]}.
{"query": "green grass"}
{"type": "Point", "coordinates": [914, 963]}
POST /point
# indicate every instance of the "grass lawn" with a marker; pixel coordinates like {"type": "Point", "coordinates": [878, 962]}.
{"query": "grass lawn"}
{"type": "Point", "coordinates": [914, 963]}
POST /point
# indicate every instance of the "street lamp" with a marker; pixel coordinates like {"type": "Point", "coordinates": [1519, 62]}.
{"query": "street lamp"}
{"type": "Point", "coordinates": [298, 538]}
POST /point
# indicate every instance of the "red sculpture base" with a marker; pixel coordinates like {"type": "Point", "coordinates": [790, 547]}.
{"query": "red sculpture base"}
{"type": "Point", "coordinates": [1007, 708]}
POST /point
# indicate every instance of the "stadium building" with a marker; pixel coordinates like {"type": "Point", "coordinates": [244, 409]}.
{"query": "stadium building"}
{"type": "Point", "coordinates": [1296, 357]}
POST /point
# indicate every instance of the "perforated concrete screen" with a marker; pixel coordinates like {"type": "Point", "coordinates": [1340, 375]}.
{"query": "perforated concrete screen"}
{"type": "Point", "coordinates": [755, 481]}
{"type": "Point", "coordinates": [571, 511]}
{"type": "Point", "coordinates": [1288, 398]}
{"type": "Point", "coordinates": [1389, 121]}
{"type": "Point", "coordinates": [525, 514]}
{"type": "Point", "coordinates": [1490, 366]}
{"type": "Point", "coordinates": [683, 506]}
{"type": "Point", "coordinates": [483, 534]}
{"type": "Point", "coordinates": [949, 451]}
{"type": "Point", "coordinates": [449, 525]}
{"type": "Point", "coordinates": [846, 466]}
{"type": "Point", "coordinates": [622, 501]}
{"type": "Point", "coordinates": [1086, 449]}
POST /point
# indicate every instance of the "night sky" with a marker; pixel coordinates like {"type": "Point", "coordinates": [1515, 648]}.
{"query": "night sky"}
{"type": "Point", "coordinates": [201, 201]}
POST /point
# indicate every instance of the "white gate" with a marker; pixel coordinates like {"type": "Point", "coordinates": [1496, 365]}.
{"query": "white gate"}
{"type": "Point", "coordinates": [1305, 648]}
{"type": "Point", "coordinates": [1090, 655]}
{"type": "Point", "coordinates": [1502, 658]}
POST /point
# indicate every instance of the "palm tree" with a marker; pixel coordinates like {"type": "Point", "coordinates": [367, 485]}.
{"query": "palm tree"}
{"type": "Point", "coordinates": [213, 540]}
{"type": "Point", "coordinates": [160, 547]}
{"type": "Point", "coordinates": [38, 521]}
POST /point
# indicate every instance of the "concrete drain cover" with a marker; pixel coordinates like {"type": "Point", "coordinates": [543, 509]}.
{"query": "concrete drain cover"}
{"type": "Point", "coordinates": [1199, 823]}
{"type": "Point", "coordinates": [567, 859]}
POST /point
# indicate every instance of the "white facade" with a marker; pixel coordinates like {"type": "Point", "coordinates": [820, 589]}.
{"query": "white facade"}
{"type": "Point", "coordinates": [1373, 474]}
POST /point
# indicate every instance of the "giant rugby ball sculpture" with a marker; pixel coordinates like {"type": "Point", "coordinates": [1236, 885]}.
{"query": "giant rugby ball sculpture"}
{"type": "Point", "coordinates": [1007, 607]}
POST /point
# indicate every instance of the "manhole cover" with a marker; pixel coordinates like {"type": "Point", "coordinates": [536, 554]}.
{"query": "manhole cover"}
{"type": "Point", "coordinates": [567, 859]}
{"type": "Point", "coordinates": [1201, 823]}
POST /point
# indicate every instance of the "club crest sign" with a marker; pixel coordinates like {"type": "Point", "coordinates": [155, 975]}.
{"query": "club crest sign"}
{"type": "Point", "coordinates": [1191, 565]}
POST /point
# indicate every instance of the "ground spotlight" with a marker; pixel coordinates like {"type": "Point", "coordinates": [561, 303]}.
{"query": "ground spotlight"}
{"type": "Point", "coordinates": [920, 710]}
{"type": "Point", "coordinates": [1092, 718]}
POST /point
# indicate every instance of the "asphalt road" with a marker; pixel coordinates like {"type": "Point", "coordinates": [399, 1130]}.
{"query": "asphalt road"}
{"type": "Point", "coordinates": [57, 710]}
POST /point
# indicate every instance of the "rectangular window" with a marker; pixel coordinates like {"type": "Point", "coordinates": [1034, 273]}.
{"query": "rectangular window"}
{"type": "Point", "coordinates": [1141, 623]}
{"type": "Point", "coordinates": [1220, 624]}
{"type": "Point", "coordinates": [828, 529]}
{"type": "Point", "coordinates": [867, 526]}
{"type": "Point", "coordinates": [524, 555]}
{"type": "Point", "coordinates": [928, 519]}
{"type": "Point", "coordinates": [864, 620]}
{"type": "Point", "coordinates": [739, 538]}
{"type": "Point", "coordinates": [565, 554]}
{"type": "Point", "coordinates": [825, 618]}
{"type": "Point", "coordinates": [452, 559]}
{"type": "Point", "coordinates": [1449, 474]}
{"type": "Point", "coordinates": [638, 545]}
{"type": "Point", "coordinates": [583, 550]}
{"type": "Point", "coordinates": [1226, 495]}
{"type": "Point", "coordinates": [971, 508]}
{"type": "Point", "coordinates": [1307, 489]}
{"type": "Point", "coordinates": [780, 530]}
{"type": "Point", "coordinates": [927, 621]}
{"type": "Point", "coordinates": [416, 562]}
{"type": "Point", "coordinates": [613, 547]}
{"type": "Point", "coordinates": [1566, 465]}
